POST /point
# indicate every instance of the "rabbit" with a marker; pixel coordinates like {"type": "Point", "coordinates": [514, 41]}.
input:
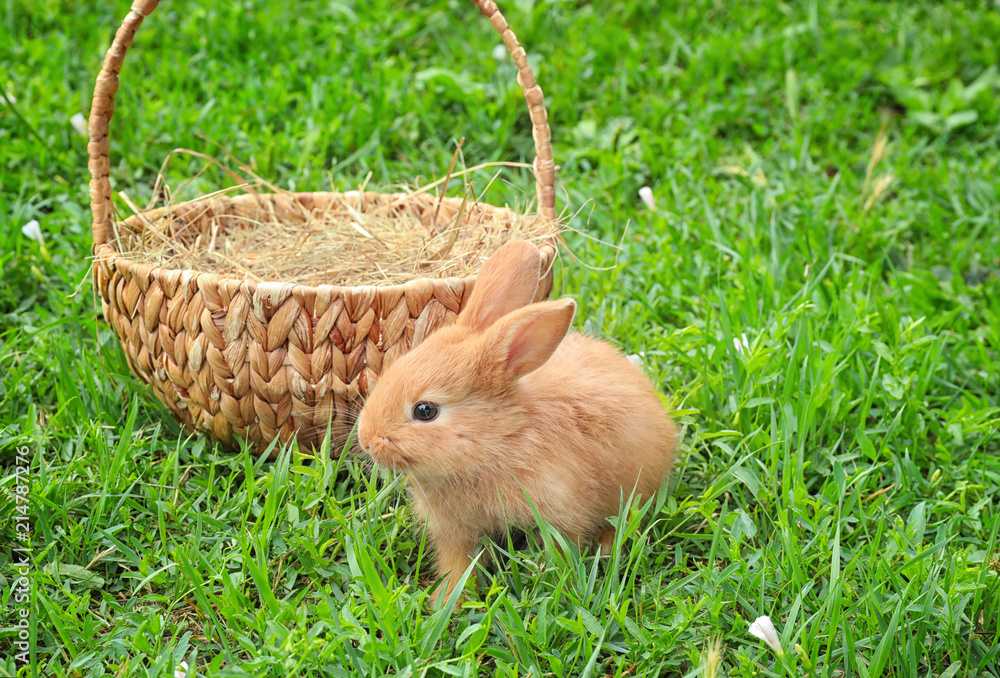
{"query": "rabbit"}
{"type": "Point", "coordinates": [507, 404]}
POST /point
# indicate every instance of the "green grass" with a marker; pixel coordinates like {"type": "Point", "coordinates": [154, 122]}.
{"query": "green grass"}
{"type": "Point", "coordinates": [840, 474]}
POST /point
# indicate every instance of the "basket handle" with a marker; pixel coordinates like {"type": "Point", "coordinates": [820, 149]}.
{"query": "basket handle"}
{"type": "Point", "coordinates": [103, 107]}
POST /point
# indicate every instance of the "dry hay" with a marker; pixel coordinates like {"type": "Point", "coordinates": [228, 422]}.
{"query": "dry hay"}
{"type": "Point", "coordinates": [259, 232]}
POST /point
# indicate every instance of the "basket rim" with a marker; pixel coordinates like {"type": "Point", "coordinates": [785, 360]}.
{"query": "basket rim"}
{"type": "Point", "coordinates": [106, 88]}
{"type": "Point", "coordinates": [107, 254]}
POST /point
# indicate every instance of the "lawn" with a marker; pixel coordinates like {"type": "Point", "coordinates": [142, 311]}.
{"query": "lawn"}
{"type": "Point", "coordinates": [817, 292]}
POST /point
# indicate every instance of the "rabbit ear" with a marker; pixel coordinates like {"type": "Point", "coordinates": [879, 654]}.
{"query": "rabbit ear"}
{"type": "Point", "coordinates": [522, 341]}
{"type": "Point", "coordinates": [506, 282]}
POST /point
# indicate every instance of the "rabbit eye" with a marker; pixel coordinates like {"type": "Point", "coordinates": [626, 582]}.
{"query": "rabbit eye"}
{"type": "Point", "coordinates": [425, 411]}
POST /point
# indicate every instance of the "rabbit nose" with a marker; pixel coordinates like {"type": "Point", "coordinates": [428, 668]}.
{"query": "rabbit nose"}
{"type": "Point", "coordinates": [364, 436]}
{"type": "Point", "coordinates": [367, 441]}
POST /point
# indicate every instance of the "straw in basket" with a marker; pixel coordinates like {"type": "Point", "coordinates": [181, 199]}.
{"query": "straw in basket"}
{"type": "Point", "coordinates": [277, 360]}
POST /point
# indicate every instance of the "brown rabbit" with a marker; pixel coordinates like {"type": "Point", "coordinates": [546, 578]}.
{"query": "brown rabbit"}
{"type": "Point", "coordinates": [505, 403]}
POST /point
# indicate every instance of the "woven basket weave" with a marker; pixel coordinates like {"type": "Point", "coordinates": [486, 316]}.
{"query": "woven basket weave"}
{"type": "Point", "coordinates": [276, 360]}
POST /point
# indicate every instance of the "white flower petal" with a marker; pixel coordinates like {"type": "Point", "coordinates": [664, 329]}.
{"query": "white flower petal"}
{"type": "Point", "coordinates": [500, 52]}
{"type": "Point", "coordinates": [33, 230]}
{"type": "Point", "coordinates": [635, 359]}
{"type": "Point", "coordinates": [646, 195]}
{"type": "Point", "coordinates": [181, 671]}
{"type": "Point", "coordinates": [742, 345]}
{"type": "Point", "coordinates": [763, 628]}
{"type": "Point", "coordinates": [80, 124]}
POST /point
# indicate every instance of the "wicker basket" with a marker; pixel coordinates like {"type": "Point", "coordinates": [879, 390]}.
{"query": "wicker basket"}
{"type": "Point", "coordinates": [267, 360]}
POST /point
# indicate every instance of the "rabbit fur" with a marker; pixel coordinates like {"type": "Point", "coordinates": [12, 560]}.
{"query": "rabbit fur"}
{"type": "Point", "coordinates": [525, 410]}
